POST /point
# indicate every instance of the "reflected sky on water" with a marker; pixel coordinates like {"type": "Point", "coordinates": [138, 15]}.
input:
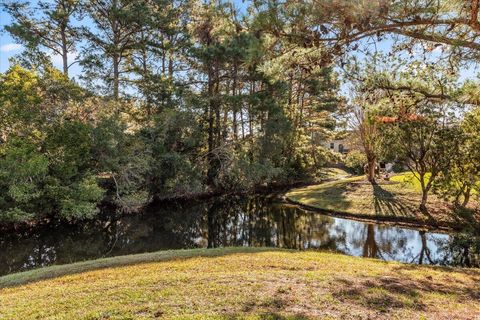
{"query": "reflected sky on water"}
{"type": "Point", "coordinates": [227, 221]}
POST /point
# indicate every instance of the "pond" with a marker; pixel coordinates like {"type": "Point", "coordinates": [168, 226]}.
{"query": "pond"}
{"type": "Point", "coordinates": [226, 221]}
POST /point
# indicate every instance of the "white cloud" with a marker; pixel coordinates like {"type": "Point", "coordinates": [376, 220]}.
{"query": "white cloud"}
{"type": "Point", "coordinates": [57, 59]}
{"type": "Point", "coordinates": [10, 47]}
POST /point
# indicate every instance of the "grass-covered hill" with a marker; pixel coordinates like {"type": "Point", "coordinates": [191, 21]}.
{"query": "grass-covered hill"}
{"type": "Point", "coordinates": [253, 283]}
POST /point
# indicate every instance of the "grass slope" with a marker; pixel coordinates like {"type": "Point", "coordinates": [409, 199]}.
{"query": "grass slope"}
{"type": "Point", "coordinates": [242, 283]}
{"type": "Point", "coordinates": [409, 180]}
{"type": "Point", "coordinates": [397, 200]}
{"type": "Point", "coordinates": [332, 173]}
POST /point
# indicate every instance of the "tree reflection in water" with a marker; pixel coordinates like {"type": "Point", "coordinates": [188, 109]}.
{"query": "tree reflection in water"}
{"type": "Point", "coordinates": [370, 248]}
{"type": "Point", "coordinates": [227, 221]}
{"type": "Point", "coordinates": [263, 222]}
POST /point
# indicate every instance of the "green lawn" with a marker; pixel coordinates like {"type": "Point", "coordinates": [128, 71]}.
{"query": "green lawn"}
{"type": "Point", "coordinates": [409, 180]}
{"type": "Point", "coordinates": [332, 173]}
{"type": "Point", "coordinates": [253, 283]}
{"type": "Point", "coordinates": [395, 200]}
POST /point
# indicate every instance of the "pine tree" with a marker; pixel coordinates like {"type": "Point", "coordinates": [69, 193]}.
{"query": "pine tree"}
{"type": "Point", "coordinates": [47, 25]}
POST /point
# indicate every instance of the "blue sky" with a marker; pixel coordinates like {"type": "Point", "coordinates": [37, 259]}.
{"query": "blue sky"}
{"type": "Point", "coordinates": [8, 48]}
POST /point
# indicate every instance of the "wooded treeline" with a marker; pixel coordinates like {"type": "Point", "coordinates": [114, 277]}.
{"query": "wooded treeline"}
{"type": "Point", "coordinates": [166, 98]}
{"type": "Point", "coordinates": [174, 98]}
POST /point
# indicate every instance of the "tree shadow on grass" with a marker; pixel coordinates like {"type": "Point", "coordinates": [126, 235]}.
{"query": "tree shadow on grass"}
{"type": "Point", "coordinates": [387, 204]}
{"type": "Point", "coordinates": [474, 273]}
{"type": "Point", "coordinates": [379, 295]}
{"type": "Point", "coordinates": [282, 302]}
{"type": "Point", "coordinates": [334, 197]}
{"type": "Point", "coordinates": [385, 294]}
{"type": "Point", "coordinates": [270, 316]}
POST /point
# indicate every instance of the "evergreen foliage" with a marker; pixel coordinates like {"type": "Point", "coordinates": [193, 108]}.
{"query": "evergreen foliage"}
{"type": "Point", "coordinates": [180, 98]}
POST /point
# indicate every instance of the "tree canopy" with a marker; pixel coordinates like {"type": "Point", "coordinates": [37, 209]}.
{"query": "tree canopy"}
{"type": "Point", "coordinates": [180, 98]}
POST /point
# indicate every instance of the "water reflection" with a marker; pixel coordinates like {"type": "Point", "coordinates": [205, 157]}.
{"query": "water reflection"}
{"type": "Point", "coordinates": [257, 221]}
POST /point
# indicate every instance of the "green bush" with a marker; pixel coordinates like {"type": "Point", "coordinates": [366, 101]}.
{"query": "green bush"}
{"type": "Point", "coordinates": [355, 161]}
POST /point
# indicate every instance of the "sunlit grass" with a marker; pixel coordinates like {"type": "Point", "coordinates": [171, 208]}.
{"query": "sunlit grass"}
{"type": "Point", "coordinates": [242, 283]}
{"type": "Point", "coordinates": [332, 173]}
{"type": "Point", "coordinates": [398, 199]}
{"type": "Point", "coordinates": [409, 180]}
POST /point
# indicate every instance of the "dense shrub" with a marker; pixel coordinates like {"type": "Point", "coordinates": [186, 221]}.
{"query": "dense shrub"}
{"type": "Point", "coordinates": [355, 160]}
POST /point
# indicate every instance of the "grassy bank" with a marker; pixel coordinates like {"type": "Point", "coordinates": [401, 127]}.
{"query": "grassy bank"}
{"type": "Point", "coordinates": [241, 282]}
{"type": "Point", "coordinates": [396, 201]}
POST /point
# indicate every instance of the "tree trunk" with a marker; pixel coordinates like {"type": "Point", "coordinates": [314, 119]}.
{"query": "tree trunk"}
{"type": "Point", "coordinates": [64, 51]}
{"type": "Point", "coordinates": [224, 125]}
{"type": "Point", "coordinates": [423, 204]}
{"type": "Point", "coordinates": [250, 113]}
{"type": "Point", "coordinates": [371, 170]}
{"type": "Point", "coordinates": [210, 115]}
{"type": "Point", "coordinates": [144, 54]}
{"type": "Point", "coordinates": [218, 124]}
{"type": "Point", "coordinates": [466, 196]}
{"type": "Point", "coordinates": [116, 56]}
{"type": "Point", "coordinates": [456, 200]}
{"type": "Point", "coordinates": [170, 63]}
{"type": "Point", "coordinates": [164, 54]}
{"type": "Point", "coordinates": [234, 94]}
{"type": "Point", "coordinates": [115, 77]}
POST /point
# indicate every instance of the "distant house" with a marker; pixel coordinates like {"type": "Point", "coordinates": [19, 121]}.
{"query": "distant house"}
{"type": "Point", "coordinates": [346, 142]}
{"type": "Point", "coordinates": [338, 145]}
{"type": "Point", "coordinates": [341, 143]}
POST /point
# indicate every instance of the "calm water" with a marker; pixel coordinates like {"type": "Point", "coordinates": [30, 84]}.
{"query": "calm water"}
{"type": "Point", "coordinates": [257, 221]}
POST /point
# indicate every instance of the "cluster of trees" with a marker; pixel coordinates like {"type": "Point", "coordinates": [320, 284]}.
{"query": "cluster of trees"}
{"type": "Point", "coordinates": [179, 97]}
{"type": "Point", "coordinates": [416, 112]}
{"type": "Point", "coordinates": [415, 116]}
{"type": "Point", "coordinates": [172, 98]}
